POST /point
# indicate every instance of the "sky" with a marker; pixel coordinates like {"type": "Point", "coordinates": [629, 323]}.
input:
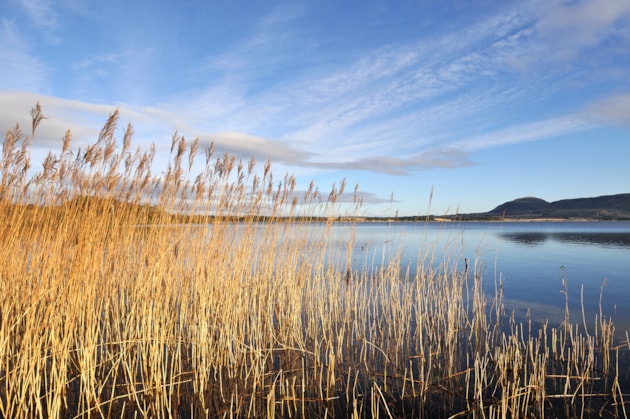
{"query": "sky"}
{"type": "Point", "coordinates": [435, 107]}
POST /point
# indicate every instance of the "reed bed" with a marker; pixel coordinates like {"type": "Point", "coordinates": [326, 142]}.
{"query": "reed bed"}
{"type": "Point", "coordinates": [222, 292]}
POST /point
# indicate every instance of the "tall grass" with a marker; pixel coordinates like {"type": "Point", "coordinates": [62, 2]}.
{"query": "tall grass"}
{"type": "Point", "coordinates": [224, 292]}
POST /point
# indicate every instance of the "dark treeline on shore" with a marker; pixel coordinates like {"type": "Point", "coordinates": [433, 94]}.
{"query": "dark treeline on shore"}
{"type": "Point", "coordinates": [602, 208]}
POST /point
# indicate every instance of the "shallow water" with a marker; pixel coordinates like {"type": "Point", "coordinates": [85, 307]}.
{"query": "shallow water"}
{"type": "Point", "coordinates": [531, 258]}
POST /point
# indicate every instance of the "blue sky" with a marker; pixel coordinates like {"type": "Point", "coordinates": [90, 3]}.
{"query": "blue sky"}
{"type": "Point", "coordinates": [480, 101]}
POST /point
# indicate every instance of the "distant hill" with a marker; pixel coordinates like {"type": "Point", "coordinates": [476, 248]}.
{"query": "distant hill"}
{"type": "Point", "coordinates": [608, 207]}
{"type": "Point", "coordinates": [521, 206]}
{"type": "Point", "coordinates": [601, 208]}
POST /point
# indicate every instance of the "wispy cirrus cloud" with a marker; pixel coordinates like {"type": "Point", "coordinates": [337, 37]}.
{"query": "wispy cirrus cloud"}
{"type": "Point", "coordinates": [88, 63]}
{"type": "Point", "coordinates": [401, 98]}
{"type": "Point", "coordinates": [534, 131]}
{"type": "Point", "coordinates": [405, 106]}
{"type": "Point", "coordinates": [42, 14]}
{"type": "Point", "coordinates": [21, 69]}
{"type": "Point", "coordinates": [282, 14]}
{"type": "Point", "coordinates": [323, 106]}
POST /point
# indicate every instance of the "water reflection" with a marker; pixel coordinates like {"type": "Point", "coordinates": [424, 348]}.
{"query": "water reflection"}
{"type": "Point", "coordinates": [607, 239]}
{"type": "Point", "coordinates": [528, 239]}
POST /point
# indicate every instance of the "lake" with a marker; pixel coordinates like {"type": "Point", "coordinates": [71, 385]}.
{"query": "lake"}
{"type": "Point", "coordinates": [531, 258]}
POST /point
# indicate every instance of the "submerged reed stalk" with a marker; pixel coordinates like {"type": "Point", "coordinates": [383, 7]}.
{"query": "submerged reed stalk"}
{"type": "Point", "coordinates": [224, 292]}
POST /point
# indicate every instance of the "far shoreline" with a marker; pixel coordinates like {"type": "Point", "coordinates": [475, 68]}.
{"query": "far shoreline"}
{"type": "Point", "coordinates": [523, 220]}
{"type": "Point", "coordinates": [438, 220]}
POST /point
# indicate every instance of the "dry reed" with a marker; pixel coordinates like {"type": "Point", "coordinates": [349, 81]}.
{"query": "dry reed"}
{"type": "Point", "coordinates": [222, 293]}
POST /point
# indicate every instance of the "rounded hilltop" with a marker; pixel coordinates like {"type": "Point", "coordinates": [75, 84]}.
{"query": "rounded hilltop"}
{"type": "Point", "coordinates": [527, 204]}
{"type": "Point", "coordinates": [605, 207]}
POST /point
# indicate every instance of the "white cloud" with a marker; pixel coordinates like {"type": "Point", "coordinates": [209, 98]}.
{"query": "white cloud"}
{"type": "Point", "coordinates": [612, 110]}
{"type": "Point", "coordinates": [246, 146]}
{"type": "Point", "coordinates": [150, 125]}
{"type": "Point", "coordinates": [430, 159]}
{"type": "Point", "coordinates": [570, 27]}
{"type": "Point", "coordinates": [584, 23]}
{"type": "Point", "coordinates": [84, 119]}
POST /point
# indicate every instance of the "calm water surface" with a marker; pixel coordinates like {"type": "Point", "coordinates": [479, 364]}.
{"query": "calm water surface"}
{"type": "Point", "coordinates": [530, 258]}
